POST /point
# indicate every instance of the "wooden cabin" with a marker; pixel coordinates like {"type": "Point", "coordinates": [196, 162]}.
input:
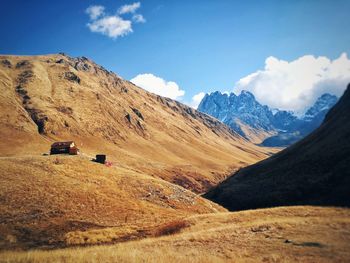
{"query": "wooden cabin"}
{"type": "Point", "coordinates": [64, 148]}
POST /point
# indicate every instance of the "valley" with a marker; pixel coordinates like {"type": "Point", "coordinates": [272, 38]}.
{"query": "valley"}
{"type": "Point", "coordinates": [174, 131]}
{"type": "Point", "coordinates": [175, 178]}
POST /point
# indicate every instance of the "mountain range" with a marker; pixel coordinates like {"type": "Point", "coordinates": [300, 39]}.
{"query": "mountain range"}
{"type": "Point", "coordinates": [313, 171]}
{"type": "Point", "coordinates": [261, 124]}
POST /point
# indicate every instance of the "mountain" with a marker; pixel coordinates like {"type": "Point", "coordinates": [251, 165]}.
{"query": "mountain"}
{"type": "Point", "coordinates": [159, 150]}
{"type": "Point", "coordinates": [284, 120]}
{"type": "Point", "coordinates": [260, 124]}
{"type": "Point", "coordinates": [320, 108]}
{"type": "Point", "coordinates": [57, 97]}
{"type": "Point", "coordinates": [241, 113]}
{"type": "Point", "coordinates": [314, 171]}
{"type": "Point", "coordinates": [298, 128]}
{"type": "Point", "coordinates": [316, 114]}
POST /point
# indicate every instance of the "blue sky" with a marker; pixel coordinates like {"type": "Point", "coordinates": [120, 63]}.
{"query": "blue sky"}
{"type": "Point", "coordinates": [202, 46]}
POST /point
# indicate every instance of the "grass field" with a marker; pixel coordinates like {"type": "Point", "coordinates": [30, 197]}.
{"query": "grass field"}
{"type": "Point", "coordinates": [285, 234]}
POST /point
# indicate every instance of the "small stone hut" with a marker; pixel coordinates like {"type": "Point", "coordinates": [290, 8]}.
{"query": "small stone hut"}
{"type": "Point", "coordinates": [64, 148]}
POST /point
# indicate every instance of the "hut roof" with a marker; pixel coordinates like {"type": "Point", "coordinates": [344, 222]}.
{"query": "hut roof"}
{"type": "Point", "coordinates": [61, 144]}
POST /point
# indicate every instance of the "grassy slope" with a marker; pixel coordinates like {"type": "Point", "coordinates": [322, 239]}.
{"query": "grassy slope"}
{"type": "Point", "coordinates": [48, 201]}
{"type": "Point", "coordinates": [168, 139]}
{"type": "Point", "coordinates": [314, 234]}
{"type": "Point", "coordinates": [312, 171]}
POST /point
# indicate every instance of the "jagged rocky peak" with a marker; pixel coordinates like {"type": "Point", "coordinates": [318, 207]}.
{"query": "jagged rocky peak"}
{"type": "Point", "coordinates": [230, 107]}
{"type": "Point", "coordinates": [322, 104]}
{"type": "Point", "coordinates": [247, 94]}
{"type": "Point", "coordinates": [225, 100]}
{"type": "Point", "coordinates": [215, 104]}
{"type": "Point", "coordinates": [84, 64]}
{"type": "Point", "coordinates": [244, 109]}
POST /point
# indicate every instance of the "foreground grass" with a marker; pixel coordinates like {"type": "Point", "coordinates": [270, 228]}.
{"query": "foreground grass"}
{"type": "Point", "coordinates": [286, 234]}
{"type": "Point", "coordinates": [108, 254]}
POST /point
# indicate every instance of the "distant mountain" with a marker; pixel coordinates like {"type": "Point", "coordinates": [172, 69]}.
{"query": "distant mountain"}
{"type": "Point", "coordinates": [292, 129]}
{"type": "Point", "coordinates": [238, 112]}
{"type": "Point", "coordinates": [314, 171]}
{"type": "Point", "coordinates": [321, 107]}
{"type": "Point", "coordinates": [245, 115]}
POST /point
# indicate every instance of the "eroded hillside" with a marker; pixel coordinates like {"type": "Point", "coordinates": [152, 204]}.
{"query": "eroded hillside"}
{"type": "Point", "coordinates": [56, 97]}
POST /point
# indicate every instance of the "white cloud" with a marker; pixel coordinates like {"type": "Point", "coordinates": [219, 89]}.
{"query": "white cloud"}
{"type": "Point", "coordinates": [137, 18]}
{"type": "Point", "coordinates": [158, 86]}
{"type": "Point", "coordinates": [95, 11]}
{"type": "Point", "coordinates": [125, 9]}
{"type": "Point", "coordinates": [297, 84]}
{"type": "Point", "coordinates": [196, 99]}
{"type": "Point", "coordinates": [112, 26]}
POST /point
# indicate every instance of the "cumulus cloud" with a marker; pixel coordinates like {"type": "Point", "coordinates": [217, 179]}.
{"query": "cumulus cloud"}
{"type": "Point", "coordinates": [125, 9]}
{"type": "Point", "coordinates": [113, 26]}
{"type": "Point", "coordinates": [158, 86]}
{"type": "Point", "coordinates": [295, 85]}
{"type": "Point", "coordinates": [94, 11]}
{"type": "Point", "coordinates": [137, 18]}
{"type": "Point", "coordinates": [196, 99]}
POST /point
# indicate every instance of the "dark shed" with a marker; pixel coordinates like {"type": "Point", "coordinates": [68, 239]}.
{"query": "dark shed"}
{"type": "Point", "coordinates": [100, 158]}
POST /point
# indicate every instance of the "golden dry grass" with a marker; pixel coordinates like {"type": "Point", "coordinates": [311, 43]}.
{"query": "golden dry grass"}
{"type": "Point", "coordinates": [285, 234]}
{"type": "Point", "coordinates": [52, 201]}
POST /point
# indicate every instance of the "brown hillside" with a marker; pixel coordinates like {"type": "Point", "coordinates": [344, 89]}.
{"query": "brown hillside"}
{"type": "Point", "coordinates": [315, 170]}
{"type": "Point", "coordinates": [56, 97]}
{"type": "Point", "coordinates": [60, 201]}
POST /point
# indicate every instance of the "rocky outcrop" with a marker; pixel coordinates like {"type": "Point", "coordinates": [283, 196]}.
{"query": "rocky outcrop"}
{"type": "Point", "coordinates": [72, 77]}
{"type": "Point", "coordinates": [6, 63]}
{"type": "Point", "coordinates": [23, 63]}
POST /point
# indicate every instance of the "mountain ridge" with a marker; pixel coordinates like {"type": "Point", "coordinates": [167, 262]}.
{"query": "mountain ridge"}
{"type": "Point", "coordinates": [57, 97]}
{"type": "Point", "coordinates": [279, 127]}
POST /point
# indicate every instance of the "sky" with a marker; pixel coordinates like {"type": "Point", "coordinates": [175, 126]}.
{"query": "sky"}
{"type": "Point", "coordinates": [285, 52]}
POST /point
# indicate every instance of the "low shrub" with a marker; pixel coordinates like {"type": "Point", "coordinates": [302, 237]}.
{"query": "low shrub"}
{"type": "Point", "coordinates": [171, 228]}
